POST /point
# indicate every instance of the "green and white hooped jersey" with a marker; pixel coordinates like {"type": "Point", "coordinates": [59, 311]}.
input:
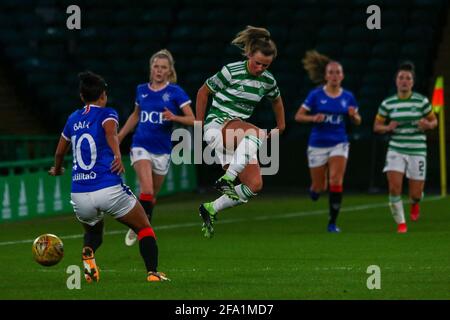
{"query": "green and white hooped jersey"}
{"type": "Point", "coordinates": [237, 92]}
{"type": "Point", "coordinates": [406, 138]}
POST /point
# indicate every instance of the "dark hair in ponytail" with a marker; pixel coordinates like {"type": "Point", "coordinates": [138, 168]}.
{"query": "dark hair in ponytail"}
{"type": "Point", "coordinates": [253, 39]}
{"type": "Point", "coordinates": [91, 86]}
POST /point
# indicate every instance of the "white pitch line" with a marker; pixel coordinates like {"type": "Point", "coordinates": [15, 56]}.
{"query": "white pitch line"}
{"type": "Point", "coordinates": [269, 217]}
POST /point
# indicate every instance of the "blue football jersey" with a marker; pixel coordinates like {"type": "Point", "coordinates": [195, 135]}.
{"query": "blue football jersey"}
{"type": "Point", "coordinates": [92, 156]}
{"type": "Point", "coordinates": [153, 132]}
{"type": "Point", "coordinates": [332, 130]}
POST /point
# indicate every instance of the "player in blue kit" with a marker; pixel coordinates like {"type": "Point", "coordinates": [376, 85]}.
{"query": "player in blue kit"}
{"type": "Point", "coordinates": [97, 187]}
{"type": "Point", "coordinates": [159, 103]}
{"type": "Point", "coordinates": [327, 107]}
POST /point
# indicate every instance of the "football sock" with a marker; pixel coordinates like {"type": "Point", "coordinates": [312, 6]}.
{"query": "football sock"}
{"type": "Point", "coordinates": [244, 152]}
{"type": "Point", "coordinates": [335, 200]}
{"type": "Point", "coordinates": [225, 202]}
{"type": "Point", "coordinates": [396, 205]}
{"type": "Point", "coordinates": [148, 248]}
{"type": "Point", "coordinates": [93, 240]}
{"type": "Point", "coordinates": [314, 195]}
{"type": "Point", "coordinates": [147, 201]}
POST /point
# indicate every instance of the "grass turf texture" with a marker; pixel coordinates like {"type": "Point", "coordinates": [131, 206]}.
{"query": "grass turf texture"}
{"type": "Point", "coordinates": [275, 247]}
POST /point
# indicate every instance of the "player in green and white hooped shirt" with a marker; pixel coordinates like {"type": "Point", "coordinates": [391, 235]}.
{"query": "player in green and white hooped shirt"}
{"type": "Point", "coordinates": [410, 114]}
{"type": "Point", "coordinates": [236, 90]}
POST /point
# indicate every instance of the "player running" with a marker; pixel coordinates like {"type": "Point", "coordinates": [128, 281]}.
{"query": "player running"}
{"type": "Point", "coordinates": [97, 187]}
{"type": "Point", "coordinates": [410, 115]}
{"type": "Point", "coordinates": [236, 90]}
{"type": "Point", "coordinates": [159, 103]}
{"type": "Point", "coordinates": [327, 107]}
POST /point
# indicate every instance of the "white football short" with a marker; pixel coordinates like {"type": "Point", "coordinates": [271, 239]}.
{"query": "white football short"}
{"type": "Point", "coordinates": [318, 157]}
{"type": "Point", "coordinates": [415, 166]}
{"type": "Point", "coordinates": [160, 162]}
{"type": "Point", "coordinates": [213, 137]}
{"type": "Point", "coordinates": [115, 201]}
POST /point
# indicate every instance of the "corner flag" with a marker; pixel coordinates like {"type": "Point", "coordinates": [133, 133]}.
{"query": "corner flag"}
{"type": "Point", "coordinates": [438, 107]}
{"type": "Point", "coordinates": [438, 95]}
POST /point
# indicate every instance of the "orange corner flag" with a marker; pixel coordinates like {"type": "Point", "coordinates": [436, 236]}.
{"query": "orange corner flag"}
{"type": "Point", "coordinates": [438, 95]}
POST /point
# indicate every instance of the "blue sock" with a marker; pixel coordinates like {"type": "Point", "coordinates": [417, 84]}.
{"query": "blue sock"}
{"type": "Point", "coordinates": [314, 195]}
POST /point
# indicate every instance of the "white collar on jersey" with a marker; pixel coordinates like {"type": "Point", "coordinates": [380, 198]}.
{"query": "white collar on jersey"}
{"type": "Point", "coordinates": [165, 86]}
{"type": "Point", "coordinates": [325, 91]}
{"type": "Point", "coordinates": [92, 105]}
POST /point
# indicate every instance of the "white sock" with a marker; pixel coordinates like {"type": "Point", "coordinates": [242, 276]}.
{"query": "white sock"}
{"type": "Point", "coordinates": [225, 202]}
{"type": "Point", "coordinates": [244, 152]}
{"type": "Point", "coordinates": [396, 205]}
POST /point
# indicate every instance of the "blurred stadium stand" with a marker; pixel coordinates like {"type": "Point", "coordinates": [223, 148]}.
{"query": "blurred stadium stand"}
{"type": "Point", "coordinates": [41, 57]}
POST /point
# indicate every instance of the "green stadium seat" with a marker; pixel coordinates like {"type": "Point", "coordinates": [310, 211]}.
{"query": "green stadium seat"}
{"type": "Point", "coordinates": [279, 33]}
{"type": "Point", "coordinates": [415, 49]}
{"type": "Point", "coordinates": [390, 33]}
{"type": "Point", "coordinates": [352, 81]}
{"type": "Point", "coordinates": [307, 17]}
{"type": "Point", "coordinates": [353, 65]}
{"type": "Point", "coordinates": [280, 16]}
{"type": "Point", "coordinates": [192, 16]}
{"type": "Point", "coordinates": [384, 50]}
{"type": "Point", "coordinates": [186, 33]}
{"type": "Point", "coordinates": [157, 15]}
{"type": "Point", "coordinates": [394, 17]}
{"type": "Point", "coordinates": [379, 79]}
{"type": "Point", "coordinates": [331, 32]}
{"type": "Point", "coordinates": [358, 33]}
{"type": "Point", "coordinates": [360, 50]}
{"type": "Point", "coordinates": [421, 33]}
{"type": "Point", "coordinates": [333, 50]}
{"type": "Point", "coordinates": [381, 65]}
{"type": "Point", "coordinates": [430, 3]}
{"type": "Point", "coordinates": [303, 34]}
{"type": "Point", "coordinates": [221, 15]}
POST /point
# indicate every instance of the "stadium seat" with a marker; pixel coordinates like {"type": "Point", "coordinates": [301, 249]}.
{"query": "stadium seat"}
{"type": "Point", "coordinates": [333, 32]}
{"type": "Point", "coordinates": [384, 50]}
{"type": "Point", "coordinates": [359, 50]}
{"type": "Point", "coordinates": [331, 49]}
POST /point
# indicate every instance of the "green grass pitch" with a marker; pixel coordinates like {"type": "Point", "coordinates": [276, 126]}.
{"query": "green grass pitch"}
{"type": "Point", "coordinates": [275, 247]}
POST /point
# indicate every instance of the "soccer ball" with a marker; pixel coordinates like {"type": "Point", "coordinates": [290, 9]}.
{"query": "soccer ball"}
{"type": "Point", "coordinates": [48, 249]}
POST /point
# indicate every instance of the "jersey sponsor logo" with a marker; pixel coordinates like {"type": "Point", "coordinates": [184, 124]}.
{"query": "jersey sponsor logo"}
{"type": "Point", "coordinates": [333, 119]}
{"type": "Point", "coordinates": [166, 97]}
{"type": "Point", "coordinates": [152, 117]}
{"type": "Point", "coordinates": [84, 176]}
